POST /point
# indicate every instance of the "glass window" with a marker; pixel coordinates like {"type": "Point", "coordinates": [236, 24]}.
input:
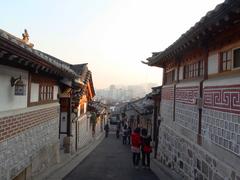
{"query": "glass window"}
{"type": "Point", "coordinates": [226, 60]}
{"type": "Point", "coordinates": [46, 92]}
{"type": "Point", "coordinates": [170, 76]}
{"type": "Point", "coordinates": [193, 70]}
{"type": "Point", "coordinates": [236, 60]}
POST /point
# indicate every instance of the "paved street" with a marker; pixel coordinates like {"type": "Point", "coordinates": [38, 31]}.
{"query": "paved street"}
{"type": "Point", "coordinates": [110, 160]}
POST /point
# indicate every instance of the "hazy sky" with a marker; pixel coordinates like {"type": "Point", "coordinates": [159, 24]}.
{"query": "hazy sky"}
{"type": "Point", "coordinates": [113, 36]}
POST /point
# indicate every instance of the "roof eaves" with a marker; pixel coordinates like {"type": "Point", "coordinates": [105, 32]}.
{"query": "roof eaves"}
{"type": "Point", "coordinates": [209, 19]}
{"type": "Point", "coordinates": [54, 62]}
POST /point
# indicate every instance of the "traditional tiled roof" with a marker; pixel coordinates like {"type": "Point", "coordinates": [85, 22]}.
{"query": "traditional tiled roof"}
{"type": "Point", "coordinates": [82, 71]}
{"type": "Point", "coordinates": [97, 106]}
{"type": "Point", "coordinates": [85, 76]}
{"type": "Point", "coordinates": [142, 106]}
{"type": "Point", "coordinates": [228, 11]}
{"type": "Point", "coordinates": [57, 63]}
{"type": "Point", "coordinates": [79, 68]}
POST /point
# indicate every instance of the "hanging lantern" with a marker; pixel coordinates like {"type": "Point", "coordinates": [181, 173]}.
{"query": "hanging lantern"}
{"type": "Point", "coordinates": [20, 87]}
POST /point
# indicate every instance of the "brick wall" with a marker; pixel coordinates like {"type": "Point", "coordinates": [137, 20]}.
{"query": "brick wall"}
{"type": "Point", "coordinates": [29, 139]}
{"type": "Point", "coordinates": [12, 125]}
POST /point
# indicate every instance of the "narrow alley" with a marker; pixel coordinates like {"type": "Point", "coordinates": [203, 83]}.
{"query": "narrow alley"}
{"type": "Point", "coordinates": [110, 160]}
{"type": "Point", "coordinates": [163, 76]}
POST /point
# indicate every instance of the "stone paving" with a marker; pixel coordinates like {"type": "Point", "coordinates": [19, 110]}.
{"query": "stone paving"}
{"type": "Point", "coordinates": [110, 160]}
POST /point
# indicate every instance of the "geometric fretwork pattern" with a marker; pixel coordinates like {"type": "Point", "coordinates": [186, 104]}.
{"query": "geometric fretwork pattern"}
{"type": "Point", "coordinates": [187, 95]}
{"type": "Point", "coordinates": [223, 98]}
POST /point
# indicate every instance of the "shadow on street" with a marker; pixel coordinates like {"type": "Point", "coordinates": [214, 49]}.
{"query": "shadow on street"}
{"type": "Point", "coordinates": [110, 160]}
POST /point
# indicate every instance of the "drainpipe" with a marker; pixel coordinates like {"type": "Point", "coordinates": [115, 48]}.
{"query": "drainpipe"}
{"type": "Point", "coordinates": [174, 87]}
{"type": "Point", "coordinates": [200, 100]}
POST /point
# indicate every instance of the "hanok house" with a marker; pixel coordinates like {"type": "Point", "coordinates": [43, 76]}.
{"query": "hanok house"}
{"type": "Point", "coordinates": [29, 108]}
{"type": "Point", "coordinates": [139, 113]}
{"type": "Point", "coordinates": [200, 102]}
{"type": "Point", "coordinates": [101, 114]}
{"type": "Point", "coordinates": [75, 127]}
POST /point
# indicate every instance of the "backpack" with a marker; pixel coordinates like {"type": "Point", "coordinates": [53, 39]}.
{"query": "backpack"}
{"type": "Point", "coordinates": [136, 140]}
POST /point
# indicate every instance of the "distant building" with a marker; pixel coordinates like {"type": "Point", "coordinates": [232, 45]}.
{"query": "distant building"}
{"type": "Point", "coordinates": [123, 93]}
{"type": "Point", "coordinates": [199, 135]}
{"type": "Point", "coordinates": [138, 113]}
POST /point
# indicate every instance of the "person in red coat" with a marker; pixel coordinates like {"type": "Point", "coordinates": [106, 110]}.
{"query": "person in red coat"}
{"type": "Point", "coordinates": [135, 146]}
{"type": "Point", "coordinates": [146, 148]}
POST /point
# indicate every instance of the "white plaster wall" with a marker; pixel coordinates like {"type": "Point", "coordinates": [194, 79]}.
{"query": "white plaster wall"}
{"type": "Point", "coordinates": [220, 81]}
{"type": "Point", "coordinates": [181, 73]}
{"type": "Point", "coordinates": [84, 133]}
{"type": "Point", "coordinates": [213, 64]}
{"type": "Point", "coordinates": [8, 101]}
{"type": "Point", "coordinates": [175, 74]}
{"type": "Point", "coordinates": [78, 110]}
{"type": "Point", "coordinates": [189, 83]}
{"type": "Point", "coordinates": [85, 107]}
{"type": "Point", "coordinates": [34, 92]}
{"type": "Point", "coordinates": [55, 92]}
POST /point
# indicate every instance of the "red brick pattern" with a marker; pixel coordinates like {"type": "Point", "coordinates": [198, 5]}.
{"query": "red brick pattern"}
{"type": "Point", "coordinates": [12, 125]}
{"type": "Point", "coordinates": [167, 93]}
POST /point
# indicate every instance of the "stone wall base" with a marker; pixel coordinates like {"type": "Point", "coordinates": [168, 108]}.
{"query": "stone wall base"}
{"type": "Point", "coordinates": [191, 160]}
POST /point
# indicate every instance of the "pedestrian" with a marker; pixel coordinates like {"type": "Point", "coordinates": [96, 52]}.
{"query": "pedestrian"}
{"type": "Point", "coordinates": [106, 129]}
{"type": "Point", "coordinates": [118, 130]}
{"type": "Point", "coordinates": [129, 134]}
{"type": "Point", "coordinates": [135, 147]}
{"type": "Point", "coordinates": [146, 148]}
{"type": "Point", "coordinates": [124, 134]}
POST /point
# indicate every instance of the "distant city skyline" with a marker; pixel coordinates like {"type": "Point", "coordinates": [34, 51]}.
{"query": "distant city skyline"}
{"type": "Point", "coordinates": [113, 37]}
{"type": "Point", "coordinates": [119, 94]}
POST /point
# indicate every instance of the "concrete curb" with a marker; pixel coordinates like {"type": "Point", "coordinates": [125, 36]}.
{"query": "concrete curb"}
{"type": "Point", "coordinates": [163, 172]}
{"type": "Point", "coordinates": [60, 170]}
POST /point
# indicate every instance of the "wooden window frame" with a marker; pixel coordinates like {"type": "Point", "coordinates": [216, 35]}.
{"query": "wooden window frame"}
{"type": "Point", "coordinates": [234, 68]}
{"type": "Point", "coordinates": [170, 76]}
{"type": "Point", "coordinates": [193, 70]}
{"type": "Point", "coordinates": [201, 68]}
{"type": "Point", "coordinates": [46, 90]}
{"type": "Point", "coordinates": [224, 62]}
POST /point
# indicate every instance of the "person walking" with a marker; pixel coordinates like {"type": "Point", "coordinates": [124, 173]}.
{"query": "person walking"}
{"type": "Point", "coordinates": [124, 134]}
{"type": "Point", "coordinates": [135, 147]}
{"type": "Point", "coordinates": [106, 128]}
{"type": "Point", "coordinates": [129, 135]}
{"type": "Point", "coordinates": [118, 130]}
{"type": "Point", "coordinates": [146, 148]}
